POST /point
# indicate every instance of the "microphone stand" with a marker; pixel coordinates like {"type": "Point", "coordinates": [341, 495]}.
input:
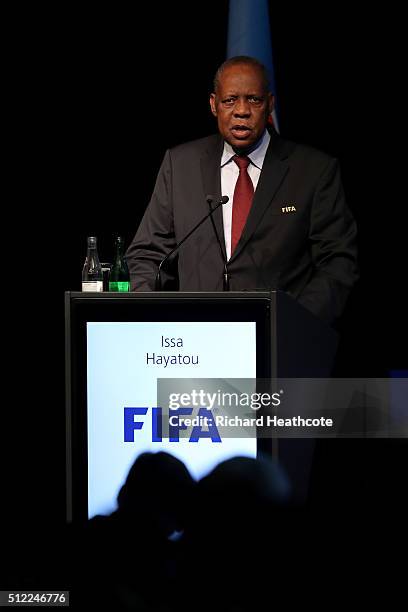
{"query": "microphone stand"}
{"type": "Point", "coordinates": [158, 283]}
{"type": "Point", "coordinates": [225, 276]}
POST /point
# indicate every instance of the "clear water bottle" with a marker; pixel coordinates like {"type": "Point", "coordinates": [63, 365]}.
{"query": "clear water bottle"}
{"type": "Point", "coordinates": [119, 278]}
{"type": "Point", "coordinates": [92, 277]}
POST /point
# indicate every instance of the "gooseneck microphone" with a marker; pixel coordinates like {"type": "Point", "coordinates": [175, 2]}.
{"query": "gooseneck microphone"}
{"type": "Point", "coordinates": [225, 276]}
{"type": "Point", "coordinates": [158, 284]}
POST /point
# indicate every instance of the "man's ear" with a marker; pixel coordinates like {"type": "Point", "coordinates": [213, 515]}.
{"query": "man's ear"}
{"type": "Point", "coordinates": [213, 105]}
{"type": "Point", "coordinates": [271, 102]}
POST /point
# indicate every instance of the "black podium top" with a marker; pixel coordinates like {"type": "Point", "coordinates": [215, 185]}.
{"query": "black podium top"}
{"type": "Point", "coordinates": [294, 342]}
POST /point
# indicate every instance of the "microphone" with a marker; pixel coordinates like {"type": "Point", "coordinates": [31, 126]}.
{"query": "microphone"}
{"type": "Point", "coordinates": [158, 284]}
{"type": "Point", "coordinates": [225, 276]}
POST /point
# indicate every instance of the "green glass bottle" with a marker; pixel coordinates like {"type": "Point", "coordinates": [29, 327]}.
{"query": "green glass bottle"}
{"type": "Point", "coordinates": [119, 279]}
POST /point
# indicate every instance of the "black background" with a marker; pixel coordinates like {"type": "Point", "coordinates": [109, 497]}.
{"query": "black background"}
{"type": "Point", "coordinates": [98, 97]}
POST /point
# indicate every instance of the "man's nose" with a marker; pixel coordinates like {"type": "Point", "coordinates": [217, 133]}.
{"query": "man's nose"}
{"type": "Point", "coordinates": [242, 108]}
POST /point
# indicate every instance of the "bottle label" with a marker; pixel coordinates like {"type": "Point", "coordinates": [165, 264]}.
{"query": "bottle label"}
{"type": "Point", "coordinates": [119, 286]}
{"type": "Point", "coordinates": [92, 286]}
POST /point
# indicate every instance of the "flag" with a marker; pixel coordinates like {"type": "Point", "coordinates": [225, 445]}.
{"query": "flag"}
{"type": "Point", "coordinates": [249, 34]}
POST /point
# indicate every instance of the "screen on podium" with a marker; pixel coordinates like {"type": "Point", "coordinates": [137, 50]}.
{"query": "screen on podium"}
{"type": "Point", "coordinates": [118, 348]}
{"type": "Point", "coordinates": [124, 361]}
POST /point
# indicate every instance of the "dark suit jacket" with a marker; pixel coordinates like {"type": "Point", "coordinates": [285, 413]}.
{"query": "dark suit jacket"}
{"type": "Point", "coordinates": [299, 237]}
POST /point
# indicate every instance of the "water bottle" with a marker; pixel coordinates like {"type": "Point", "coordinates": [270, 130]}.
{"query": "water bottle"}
{"type": "Point", "coordinates": [92, 278]}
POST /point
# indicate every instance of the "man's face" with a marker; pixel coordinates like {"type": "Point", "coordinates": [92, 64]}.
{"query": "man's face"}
{"type": "Point", "coordinates": [241, 105]}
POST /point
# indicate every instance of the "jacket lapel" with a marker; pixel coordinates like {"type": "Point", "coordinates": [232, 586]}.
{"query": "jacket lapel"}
{"type": "Point", "coordinates": [211, 176]}
{"type": "Point", "coordinates": [274, 170]}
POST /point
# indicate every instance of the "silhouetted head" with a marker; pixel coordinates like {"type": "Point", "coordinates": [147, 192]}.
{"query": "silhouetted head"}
{"type": "Point", "coordinates": [236, 505]}
{"type": "Point", "coordinates": [158, 488]}
{"type": "Point", "coordinates": [244, 480]}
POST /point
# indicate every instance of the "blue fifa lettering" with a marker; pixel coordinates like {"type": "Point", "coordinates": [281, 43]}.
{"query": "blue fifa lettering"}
{"type": "Point", "coordinates": [212, 432]}
{"type": "Point", "coordinates": [130, 425]}
{"type": "Point", "coordinates": [174, 430]}
{"type": "Point", "coordinates": [157, 425]}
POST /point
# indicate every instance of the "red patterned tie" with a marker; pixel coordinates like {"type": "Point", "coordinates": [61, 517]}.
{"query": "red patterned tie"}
{"type": "Point", "coordinates": [243, 196]}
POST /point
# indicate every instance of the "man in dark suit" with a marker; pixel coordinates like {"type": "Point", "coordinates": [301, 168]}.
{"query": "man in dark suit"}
{"type": "Point", "coordinates": [286, 224]}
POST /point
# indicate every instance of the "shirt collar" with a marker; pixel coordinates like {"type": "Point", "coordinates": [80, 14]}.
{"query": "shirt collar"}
{"type": "Point", "coordinates": [256, 156]}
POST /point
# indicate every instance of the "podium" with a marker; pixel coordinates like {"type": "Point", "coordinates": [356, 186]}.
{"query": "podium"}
{"type": "Point", "coordinates": [257, 334]}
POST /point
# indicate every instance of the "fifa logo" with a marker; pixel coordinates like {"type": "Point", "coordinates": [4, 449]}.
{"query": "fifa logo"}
{"type": "Point", "coordinates": [203, 424]}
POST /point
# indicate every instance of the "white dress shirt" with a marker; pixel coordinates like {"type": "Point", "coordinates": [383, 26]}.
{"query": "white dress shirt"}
{"type": "Point", "coordinates": [229, 176]}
